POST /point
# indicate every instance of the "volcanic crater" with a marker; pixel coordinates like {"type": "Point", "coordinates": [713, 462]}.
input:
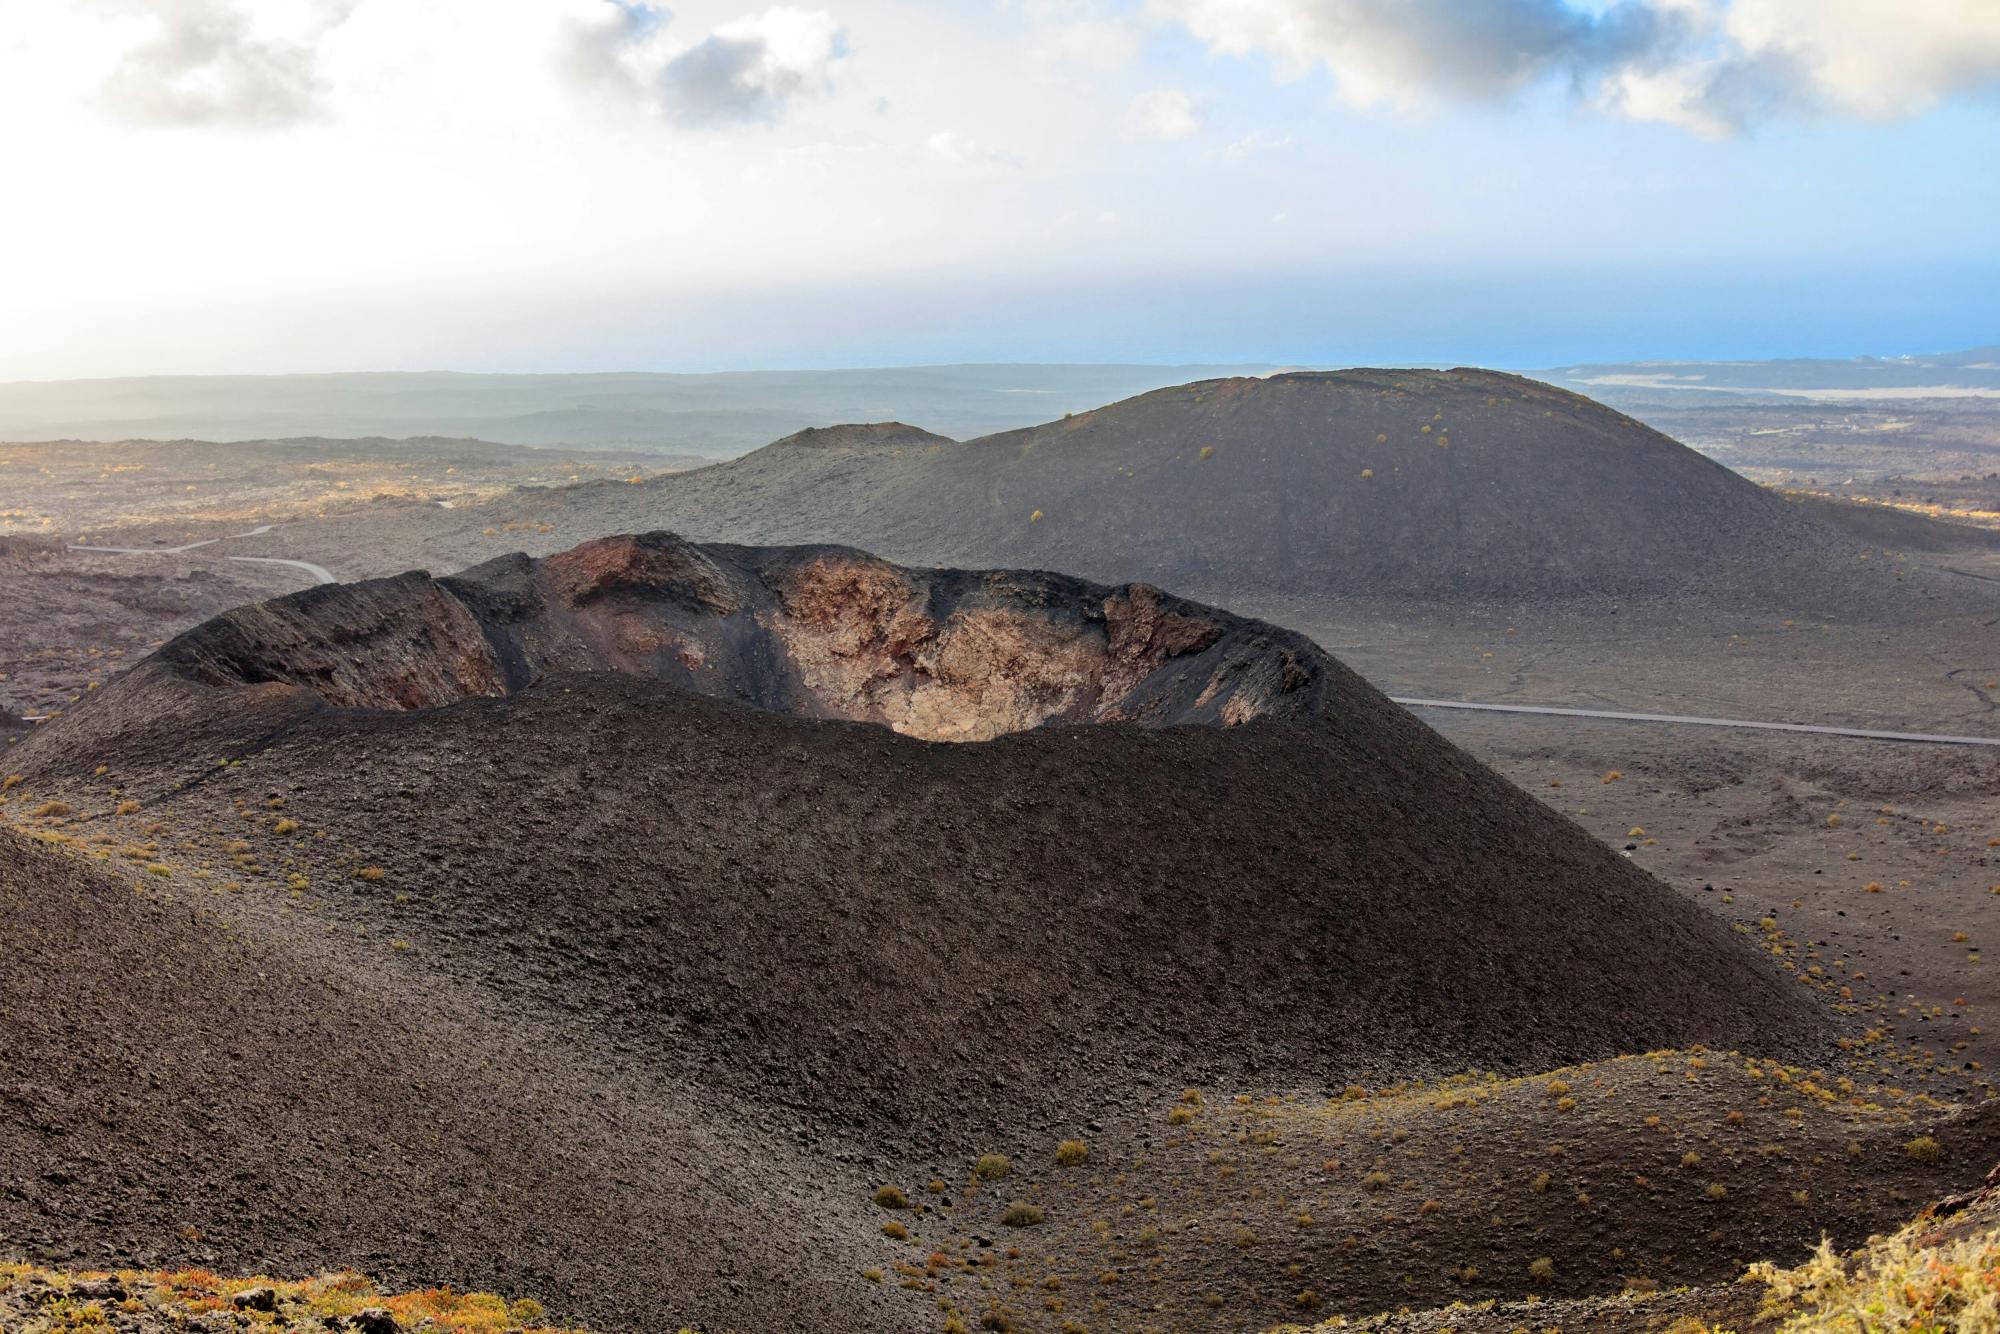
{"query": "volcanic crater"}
{"type": "Point", "coordinates": [1200, 829]}
{"type": "Point", "coordinates": [691, 825]}
{"type": "Point", "coordinates": [820, 632]}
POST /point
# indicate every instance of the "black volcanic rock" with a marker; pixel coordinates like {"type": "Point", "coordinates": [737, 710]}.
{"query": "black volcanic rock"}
{"type": "Point", "coordinates": [1279, 875]}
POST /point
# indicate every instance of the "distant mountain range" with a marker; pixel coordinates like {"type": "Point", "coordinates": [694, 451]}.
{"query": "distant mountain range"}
{"type": "Point", "coordinates": [725, 414]}
{"type": "Point", "coordinates": [719, 415]}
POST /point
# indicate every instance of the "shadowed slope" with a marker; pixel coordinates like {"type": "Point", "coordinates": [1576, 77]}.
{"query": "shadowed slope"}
{"type": "Point", "coordinates": [190, 1084]}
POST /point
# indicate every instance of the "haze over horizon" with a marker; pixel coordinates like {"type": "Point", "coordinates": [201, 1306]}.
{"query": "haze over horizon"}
{"type": "Point", "coordinates": [324, 185]}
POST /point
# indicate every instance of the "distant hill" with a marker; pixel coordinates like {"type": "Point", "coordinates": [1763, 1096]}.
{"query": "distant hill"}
{"type": "Point", "coordinates": [1370, 482]}
{"type": "Point", "coordinates": [1433, 487]}
{"type": "Point", "coordinates": [718, 415]}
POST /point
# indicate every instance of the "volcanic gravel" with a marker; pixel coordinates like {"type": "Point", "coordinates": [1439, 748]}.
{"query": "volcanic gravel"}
{"type": "Point", "coordinates": [620, 990]}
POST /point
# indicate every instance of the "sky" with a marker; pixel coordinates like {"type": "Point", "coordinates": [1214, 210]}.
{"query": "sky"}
{"type": "Point", "coordinates": [220, 186]}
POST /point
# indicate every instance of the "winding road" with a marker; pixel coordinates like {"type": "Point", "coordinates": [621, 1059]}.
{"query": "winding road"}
{"type": "Point", "coordinates": [174, 551]}
{"type": "Point", "coordinates": [1869, 734]}
{"type": "Point", "coordinates": [319, 573]}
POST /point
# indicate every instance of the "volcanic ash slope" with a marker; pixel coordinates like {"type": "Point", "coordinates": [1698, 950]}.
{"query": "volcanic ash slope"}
{"type": "Point", "coordinates": [790, 850]}
{"type": "Point", "coordinates": [1261, 865]}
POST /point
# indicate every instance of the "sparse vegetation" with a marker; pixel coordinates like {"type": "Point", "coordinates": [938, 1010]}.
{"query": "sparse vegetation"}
{"type": "Point", "coordinates": [196, 1299]}
{"type": "Point", "coordinates": [1022, 1214]}
{"type": "Point", "coordinates": [992, 1167]}
{"type": "Point", "coordinates": [1899, 1283]}
{"type": "Point", "coordinates": [1072, 1152]}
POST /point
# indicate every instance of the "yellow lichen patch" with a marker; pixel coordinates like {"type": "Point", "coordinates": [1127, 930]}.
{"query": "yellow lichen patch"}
{"type": "Point", "coordinates": [67, 1300]}
{"type": "Point", "coordinates": [1900, 1283]}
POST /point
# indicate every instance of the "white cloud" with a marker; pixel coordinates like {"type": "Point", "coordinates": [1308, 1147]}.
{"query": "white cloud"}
{"type": "Point", "coordinates": [533, 139]}
{"type": "Point", "coordinates": [208, 62]}
{"type": "Point", "coordinates": [1165, 114]}
{"type": "Point", "coordinates": [1714, 66]}
{"type": "Point", "coordinates": [1875, 60]}
{"type": "Point", "coordinates": [745, 72]}
{"type": "Point", "coordinates": [1395, 53]}
{"type": "Point", "coordinates": [1805, 58]}
{"type": "Point", "coordinates": [608, 47]}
